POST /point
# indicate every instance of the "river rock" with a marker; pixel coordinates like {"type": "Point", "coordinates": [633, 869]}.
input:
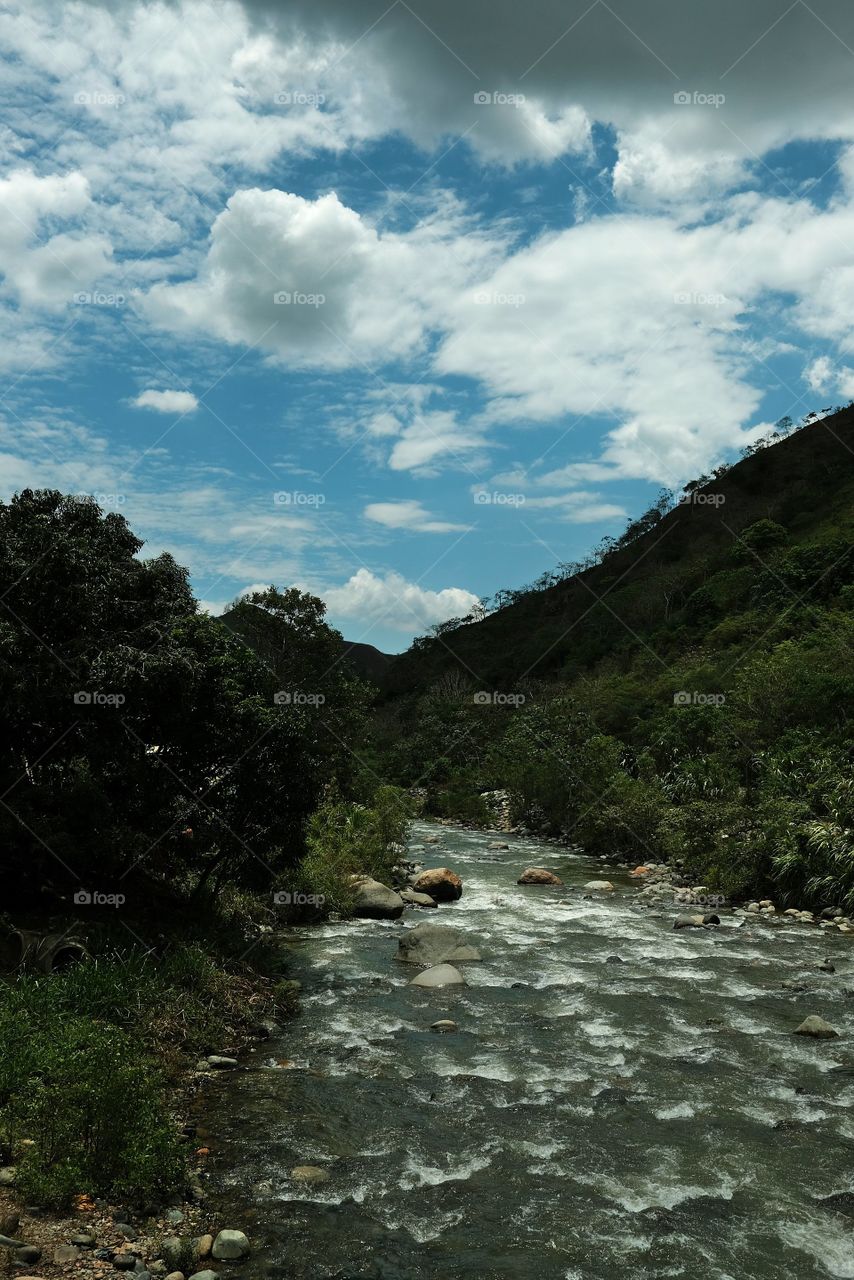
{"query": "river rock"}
{"type": "Point", "coordinates": [443, 1026]}
{"type": "Point", "coordinates": [441, 883]}
{"type": "Point", "coordinates": [204, 1275]}
{"type": "Point", "coordinates": [62, 1253]}
{"type": "Point", "coordinates": [497, 844]}
{"type": "Point", "coordinates": [375, 901]}
{"type": "Point", "coordinates": [817, 1028]}
{"type": "Point", "coordinates": [688, 922]}
{"type": "Point", "coordinates": [202, 1246]}
{"type": "Point", "coordinates": [439, 975]}
{"type": "Point", "coordinates": [432, 944]}
{"type": "Point", "coordinates": [415, 899]}
{"type": "Point", "coordinates": [538, 875]}
{"type": "Point", "coordinates": [175, 1275]}
{"type": "Point", "coordinates": [309, 1173]}
{"type": "Point", "coordinates": [604, 886]}
{"type": "Point", "coordinates": [32, 1253]}
{"type": "Point", "coordinates": [230, 1245]}
{"type": "Point", "coordinates": [432, 839]}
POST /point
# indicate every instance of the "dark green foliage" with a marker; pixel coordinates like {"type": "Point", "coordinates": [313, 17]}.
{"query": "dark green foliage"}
{"type": "Point", "coordinates": [143, 738]}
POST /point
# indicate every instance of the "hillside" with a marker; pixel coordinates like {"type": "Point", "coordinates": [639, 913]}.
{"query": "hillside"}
{"type": "Point", "coordinates": [688, 698]}
{"type": "Point", "coordinates": [666, 588]}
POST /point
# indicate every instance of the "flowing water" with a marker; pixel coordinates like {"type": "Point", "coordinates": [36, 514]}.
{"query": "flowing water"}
{"type": "Point", "coordinates": [589, 1119]}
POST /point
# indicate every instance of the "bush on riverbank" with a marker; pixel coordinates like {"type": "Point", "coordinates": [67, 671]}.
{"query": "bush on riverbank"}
{"type": "Point", "coordinates": [92, 1062]}
{"type": "Point", "coordinates": [346, 839]}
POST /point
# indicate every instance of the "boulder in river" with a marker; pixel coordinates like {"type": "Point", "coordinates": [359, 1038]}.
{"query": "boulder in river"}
{"type": "Point", "coordinates": [538, 875]}
{"type": "Point", "coordinates": [817, 1028]}
{"type": "Point", "coordinates": [415, 899]}
{"type": "Point", "coordinates": [443, 1026]}
{"type": "Point", "coordinates": [497, 844]}
{"type": "Point", "coordinates": [375, 901]}
{"type": "Point", "coordinates": [439, 975]}
{"type": "Point", "coordinates": [230, 1245]}
{"type": "Point", "coordinates": [688, 922]}
{"type": "Point", "coordinates": [604, 886]}
{"type": "Point", "coordinates": [309, 1173]}
{"type": "Point", "coordinates": [441, 883]}
{"type": "Point", "coordinates": [432, 944]}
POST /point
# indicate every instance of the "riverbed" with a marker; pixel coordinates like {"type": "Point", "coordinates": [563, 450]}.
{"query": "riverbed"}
{"type": "Point", "coordinates": [620, 1100]}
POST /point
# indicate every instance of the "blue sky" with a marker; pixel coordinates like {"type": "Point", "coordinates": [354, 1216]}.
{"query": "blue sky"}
{"type": "Point", "coordinates": [404, 304]}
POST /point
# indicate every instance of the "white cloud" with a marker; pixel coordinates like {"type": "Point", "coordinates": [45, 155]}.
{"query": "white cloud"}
{"type": "Point", "coordinates": [390, 600]}
{"type": "Point", "coordinates": [41, 269]}
{"type": "Point", "coordinates": [433, 436]}
{"type": "Point", "coordinates": [314, 283]}
{"type": "Point", "coordinates": [408, 514]}
{"type": "Point", "coordinates": [820, 376]}
{"type": "Point", "coordinates": [181, 402]}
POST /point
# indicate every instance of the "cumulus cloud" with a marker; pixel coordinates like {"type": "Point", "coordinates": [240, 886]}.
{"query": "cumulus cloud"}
{"type": "Point", "coordinates": [181, 402]}
{"type": "Point", "coordinates": [408, 514]}
{"type": "Point", "coordinates": [390, 600]}
{"type": "Point", "coordinates": [313, 282]}
{"type": "Point", "coordinates": [41, 270]}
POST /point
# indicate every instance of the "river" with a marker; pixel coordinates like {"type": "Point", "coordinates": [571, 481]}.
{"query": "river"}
{"type": "Point", "coordinates": [590, 1119]}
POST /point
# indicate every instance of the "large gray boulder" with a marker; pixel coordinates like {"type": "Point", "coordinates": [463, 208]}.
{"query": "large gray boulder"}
{"type": "Point", "coordinates": [440, 975]}
{"type": "Point", "coordinates": [375, 901]}
{"type": "Point", "coordinates": [429, 944]}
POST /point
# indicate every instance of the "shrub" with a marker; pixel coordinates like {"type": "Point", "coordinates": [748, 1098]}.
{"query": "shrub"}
{"type": "Point", "coordinates": [83, 1105]}
{"type": "Point", "coordinates": [346, 839]}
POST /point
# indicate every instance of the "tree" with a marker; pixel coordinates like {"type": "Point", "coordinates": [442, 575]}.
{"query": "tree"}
{"type": "Point", "coordinates": [144, 739]}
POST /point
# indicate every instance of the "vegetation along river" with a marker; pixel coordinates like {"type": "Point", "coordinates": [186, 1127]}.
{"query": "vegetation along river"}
{"type": "Point", "coordinates": [655, 1117]}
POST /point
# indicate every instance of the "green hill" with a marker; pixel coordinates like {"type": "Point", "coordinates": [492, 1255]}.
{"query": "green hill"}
{"type": "Point", "coordinates": [686, 694]}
